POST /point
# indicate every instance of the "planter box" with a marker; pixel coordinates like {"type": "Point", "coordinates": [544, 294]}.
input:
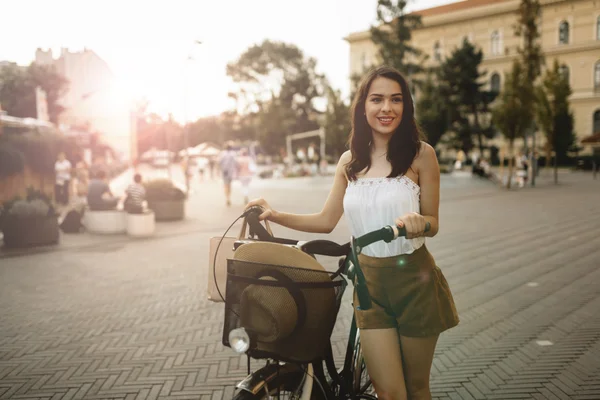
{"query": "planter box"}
{"type": "Point", "coordinates": [108, 222]}
{"type": "Point", "coordinates": [30, 231]}
{"type": "Point", "coordinates": [141, 225]}
{"type": "Point", "coordinates": [167, 210]}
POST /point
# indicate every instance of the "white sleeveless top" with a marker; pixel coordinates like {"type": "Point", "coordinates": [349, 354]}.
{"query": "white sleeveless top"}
{"type": "Point", "coordinates": [372, 203]}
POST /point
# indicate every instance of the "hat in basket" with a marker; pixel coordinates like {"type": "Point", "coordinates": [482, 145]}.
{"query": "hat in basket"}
{"type": "Point", "coordinates": [293, 313]}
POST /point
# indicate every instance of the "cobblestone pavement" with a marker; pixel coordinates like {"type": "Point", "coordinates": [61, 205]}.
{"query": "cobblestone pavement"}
{"type": "Point", "coordinates": [129, 319]}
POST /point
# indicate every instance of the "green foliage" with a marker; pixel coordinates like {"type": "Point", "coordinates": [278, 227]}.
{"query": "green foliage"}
{"type": "Point", "coordinates": [54, 84]}
{"type": "Point", "coordinates": [462, 87]}
{"type": "Point", "coordinates": [34, 204]}
{"type": "Point", "coordinates": [163, 189]}
{"type": "Point", "coordinates": [432, 111]}
{"type": "Point", "coordinates": [510, 115]}
{"type": "Point", "coordinates": [278, 86]}
{"type": "Point", "coordinates": [553, 113]}
{"type": "Point", "coordinates": [393, 37]}
{"type": "Point", "coordinates": [17, 89]}
{"type": "Point", "coordinates": [336, 123]}
{"type": "Point", "coordinates": [11, 160]}
{"type": "Point", "coordinates": [531, 55]}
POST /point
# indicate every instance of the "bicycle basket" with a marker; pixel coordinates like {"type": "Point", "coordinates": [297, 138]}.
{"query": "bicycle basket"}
{"type": "Point", "coordinates": [284, 299]}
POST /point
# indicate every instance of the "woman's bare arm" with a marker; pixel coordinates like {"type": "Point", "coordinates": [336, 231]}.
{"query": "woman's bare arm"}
{"type": "Point", "coordinates": [322, 222]}
{"type": "Point", "coordinates": [429, 181]}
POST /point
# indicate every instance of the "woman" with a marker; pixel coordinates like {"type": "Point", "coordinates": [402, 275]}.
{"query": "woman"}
{"type": "Point", "coordinates": [229, 166]}
{"type": "Point", "coordinates": [389, 176]}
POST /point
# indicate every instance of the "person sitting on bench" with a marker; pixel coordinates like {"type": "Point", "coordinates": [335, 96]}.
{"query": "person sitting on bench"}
{"type": "Point", "coordinates": [136, 195]}
{"type": "Point", "coordinates": [99, 196]}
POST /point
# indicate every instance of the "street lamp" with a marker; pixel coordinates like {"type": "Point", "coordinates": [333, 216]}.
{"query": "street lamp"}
{"type": "Point", "coordinates": [185, 117]}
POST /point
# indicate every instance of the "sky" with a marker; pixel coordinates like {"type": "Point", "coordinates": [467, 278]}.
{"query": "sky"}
{"type": "Point", "coordinates": [146, 43]}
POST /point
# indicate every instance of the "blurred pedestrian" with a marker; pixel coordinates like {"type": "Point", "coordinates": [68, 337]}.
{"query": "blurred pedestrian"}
{"type": "Point", "coordinates": [62, 170]}
{"type": "Point", "coordinates": [211, 166]}
{"type": "Point", "coordinates": [82, 181]}
{"type": "Point", "coordinates": [228, 164]}
{"type": "Point", "coordinates": [246, 170]}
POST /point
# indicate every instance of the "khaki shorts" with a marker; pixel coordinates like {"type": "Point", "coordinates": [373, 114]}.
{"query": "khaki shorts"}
{"type": "Point", "coordinates": [409, 293]}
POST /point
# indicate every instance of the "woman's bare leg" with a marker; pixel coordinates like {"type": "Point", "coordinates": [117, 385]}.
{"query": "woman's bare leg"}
{"type": "Point", "coordinates": [383, 356]}
{"type": "Point", "coordinates": [417, 357]}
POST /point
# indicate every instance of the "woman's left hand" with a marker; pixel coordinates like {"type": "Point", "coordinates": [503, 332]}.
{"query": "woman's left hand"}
{"type": "Point", "coordinates": [414, 224]}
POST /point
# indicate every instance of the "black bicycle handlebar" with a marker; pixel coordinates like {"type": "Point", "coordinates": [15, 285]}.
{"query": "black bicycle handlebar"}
{"type": "Point", "coordinates": [328, 248]}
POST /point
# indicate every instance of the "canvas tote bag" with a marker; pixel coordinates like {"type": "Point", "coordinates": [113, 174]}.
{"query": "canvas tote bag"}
{"type": "Point", "coordinates": [218, 268]}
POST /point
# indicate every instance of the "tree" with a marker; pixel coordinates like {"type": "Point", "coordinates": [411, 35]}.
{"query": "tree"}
{"type": "Point", "coordinates": [510, 115]}
{"type": "Point", "coordinates": [432, 111]}
{"type": "Point", "coordinates": [393, 36]}
{"type": "Point", "coordinates": [336, 123]}
{"type": "Point", "coordinates": [280, 85]}
{"type": "Point", "coordinates": [531, 56]}
{"type": "Point", "coordinates": [17, 93]}
{"type": "Point", "coordinates": [54, 84]}
{"type": "Point", "coordinates": [462, 84]}
{"type": "Point", "coordinates": [17, 90]}
{"type": "Point", "coordinates": [554, 116]}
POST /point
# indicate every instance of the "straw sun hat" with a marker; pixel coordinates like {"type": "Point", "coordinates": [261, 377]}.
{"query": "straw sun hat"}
{"type": "Point", "coordinates": [291, 320]}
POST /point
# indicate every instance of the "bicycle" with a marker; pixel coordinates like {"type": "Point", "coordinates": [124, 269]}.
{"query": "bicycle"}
{"type": "Point", "coordinates": [312, 380]}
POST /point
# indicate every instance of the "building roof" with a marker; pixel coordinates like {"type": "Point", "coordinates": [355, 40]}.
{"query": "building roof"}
{"type": "Point", "coordinates": [439, 10]}
{"type": "Point", "coordinates": [457, 6]}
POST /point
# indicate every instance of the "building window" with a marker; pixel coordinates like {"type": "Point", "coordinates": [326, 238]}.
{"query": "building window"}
{"type": "Point", "coordinates": [563, 33]}
{"type": "Point", "coordinates": [596, 122]}
{"type": "Point", "coordinates": [495, 83]}
{"type": "Point", "coordinates": [437, 51]}
{"type": "Point", "coordinates": [598, 28]}
{"type": "Point", "coordinates": [495, 43]}
{"type": "Point", "coordinates": [564, 72]}
{"type": "Point", "coordinates": [597, 76]}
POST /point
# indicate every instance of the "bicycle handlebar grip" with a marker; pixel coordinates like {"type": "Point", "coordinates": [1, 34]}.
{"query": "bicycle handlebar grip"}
{"type": "Point", "coordinates": [364, 299]}
{"type": "Point", "coordinates": [254, 210]}
{"type": "Point", "coordinates": [256, 227]}
{"type": "Point", "coordinates": [402, 229]}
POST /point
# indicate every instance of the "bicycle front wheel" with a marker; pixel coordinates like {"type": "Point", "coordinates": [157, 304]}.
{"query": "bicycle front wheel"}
{"type": "Point", "coordinates": [287, 385]}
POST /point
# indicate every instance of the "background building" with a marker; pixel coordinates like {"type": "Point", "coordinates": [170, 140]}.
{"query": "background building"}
{"type": "Point", "coordinates": [570, 32]}
{"type": "Point", "coordinates": [93, 98]}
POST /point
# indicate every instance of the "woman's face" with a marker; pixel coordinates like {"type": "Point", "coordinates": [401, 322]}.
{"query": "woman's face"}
{"type": "Point", "coordinates": [384, 106]}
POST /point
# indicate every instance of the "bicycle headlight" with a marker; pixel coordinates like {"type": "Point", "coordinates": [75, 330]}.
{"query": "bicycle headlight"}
{"type": "Point", "coordinates": [239, 340]}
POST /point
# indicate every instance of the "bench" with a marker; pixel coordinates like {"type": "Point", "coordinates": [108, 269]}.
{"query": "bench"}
{"type": "Point", "coordinates": [141, 225]}
{"type": "Point", "coordinates": [109, 222]}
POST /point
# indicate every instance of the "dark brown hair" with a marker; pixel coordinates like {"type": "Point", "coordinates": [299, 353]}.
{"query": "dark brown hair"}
{"type": "Point", "coordinates": [404, 144]}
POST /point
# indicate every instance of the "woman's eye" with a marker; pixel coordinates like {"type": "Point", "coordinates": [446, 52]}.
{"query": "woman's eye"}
{"type": "Point", "coordinates": [397, 100]}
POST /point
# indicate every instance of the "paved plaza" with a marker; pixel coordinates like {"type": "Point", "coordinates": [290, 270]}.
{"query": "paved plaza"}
{"type": "Point", "coordinates": [114, 318]}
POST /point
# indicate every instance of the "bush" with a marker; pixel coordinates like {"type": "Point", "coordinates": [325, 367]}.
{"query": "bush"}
{"type": "Point", "coordinates": [163, 189]}
{"type": "Point", "coordinates": [36, 204]}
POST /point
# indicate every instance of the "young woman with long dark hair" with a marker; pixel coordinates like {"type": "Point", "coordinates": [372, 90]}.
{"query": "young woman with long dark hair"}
{"type": "Point", "coordinates": [389, 175]}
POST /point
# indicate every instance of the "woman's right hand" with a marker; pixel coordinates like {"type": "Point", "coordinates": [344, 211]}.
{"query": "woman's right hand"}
{"type": "Point", "coordinates": [268, 212]}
